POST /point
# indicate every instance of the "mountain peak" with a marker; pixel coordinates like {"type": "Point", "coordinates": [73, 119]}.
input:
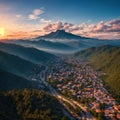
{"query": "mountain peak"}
{"type": "Point", "coordinates": [60, 34]}
{"type": "Point", "coordinates": [60, 31]}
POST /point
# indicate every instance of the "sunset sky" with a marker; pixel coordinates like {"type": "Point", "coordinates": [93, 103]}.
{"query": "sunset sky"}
{"type": "Point", "coordinates": [30, 18]}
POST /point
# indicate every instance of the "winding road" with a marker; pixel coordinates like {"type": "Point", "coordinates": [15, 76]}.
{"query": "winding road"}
{"type": "Point", "coordinates": [86, 115]}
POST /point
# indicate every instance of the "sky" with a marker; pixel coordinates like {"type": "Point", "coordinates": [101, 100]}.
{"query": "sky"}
{"type": "Point", "coordinates": [31, 18]}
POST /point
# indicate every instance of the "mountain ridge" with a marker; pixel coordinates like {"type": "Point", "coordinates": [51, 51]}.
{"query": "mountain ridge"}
{"type": "Point", "coordinates": [28, 53]}
{"type": "Point", "coordinates": [107, 59]}
{"type": "Point", "coordinates": [9, 81]}
{"type": "Point", "coordinates": [60, 34]}
{"type": "Point", "coordinates": [17, 65]}
{"type": "Point", "coordinates": [61, 42]}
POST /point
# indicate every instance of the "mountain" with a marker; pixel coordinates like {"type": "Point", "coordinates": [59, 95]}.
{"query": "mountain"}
{"type": "Point", "coordinates": [28, 53]}
{"type": "Point", "coordinates": [77, 41]}
{"type": "Point", "coordinates": [107, 59]}
{"type": "Point", "coordinates": [17, 65]}
{"type": "Point", "coordinates": [30, 105]}
{"type": "Point", "coordinates": [54, 45]}
{"type": "Point", "coordinates": [64, 42]}
{"type": "Point", "coordinates": [9, 81]}
{"type": "Point", "coordinates": [46, 44]}
{"type": "Point", "coordinates": [60, 34]}
{"type": "Point", "coordinates": [95, 51]}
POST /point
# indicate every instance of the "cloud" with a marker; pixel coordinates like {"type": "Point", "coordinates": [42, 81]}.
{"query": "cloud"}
{"type": "Point", "coordinates": [33, 17]}
{"type": "Point", "coordinates": [113, 25]}
{"type": "Point", "coordinates": [35, 14]}
{"type": "Point", "coordinates": [101, 30]}
{"type": "Point", "coordinates": [38, 12]}
{"type": "Point", "coordinates": [104, 30]}
{"type": "Point", "coordinates": [115, 21]}
{"type": "Point", "coordinates": [50, 27]}
{"type": "Point", "coordinates": [18, 16]}
{"type": "Point", "coordinates": [67, 26]}
{"type": "Point", "coordinates": [22, 35]}
{"type": "Point", "coordinates": [110, 26]}
{"type": "Point", "coordinates": [45, 21]}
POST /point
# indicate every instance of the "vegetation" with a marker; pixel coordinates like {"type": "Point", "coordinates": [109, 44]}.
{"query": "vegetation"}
{"type": "Point", "coordinates": [107, 59]}
{"type": "Point", "coordinates": [9, 81]}
{"type": "Point", "coordinates": [99, 116]}
{"type": "Point", "coordinates": [16, 65]}
{"type": "Point", "coordinates": [28, 53]}
{"type": "Point", "coordinates": [29, 105]}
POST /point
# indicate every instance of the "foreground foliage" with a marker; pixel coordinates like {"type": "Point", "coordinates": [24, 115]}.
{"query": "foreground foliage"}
{"type": "Point", "coordinates": [29, 105]}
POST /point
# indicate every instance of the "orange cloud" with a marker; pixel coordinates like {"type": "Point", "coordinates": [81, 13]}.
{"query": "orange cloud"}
{"type": "Point", "coordinates": [102, 30]}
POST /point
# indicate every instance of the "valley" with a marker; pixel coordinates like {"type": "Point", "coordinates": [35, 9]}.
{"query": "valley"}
{"type": "Point", "coordinates": [59, 59]}
{"type": "Point", "coordinates": [80, 84]}
{"type": "Point", "coordinates": [83, 80]}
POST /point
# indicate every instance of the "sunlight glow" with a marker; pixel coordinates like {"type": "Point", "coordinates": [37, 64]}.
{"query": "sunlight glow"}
{"type": "Point", "coordinates": [2, 32]}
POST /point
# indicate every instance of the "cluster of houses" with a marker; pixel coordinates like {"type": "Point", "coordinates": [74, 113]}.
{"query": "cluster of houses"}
{"type": "Point", "coordinates": [77, 79]}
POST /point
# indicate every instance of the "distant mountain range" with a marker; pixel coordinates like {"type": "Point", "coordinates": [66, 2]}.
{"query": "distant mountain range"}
{"type": "Point", "coordinates": [28, 53]}
{"type": "Point", "coordinates": [64, 42]}
{"type": "Point", "coordinates": [94, 51]}
{"type": "Point", "coordinates": [45, 45]}
{"type": "Point", "coordinates": [17, 65]}
{"type": "Point", "coordinates": [9, 81]}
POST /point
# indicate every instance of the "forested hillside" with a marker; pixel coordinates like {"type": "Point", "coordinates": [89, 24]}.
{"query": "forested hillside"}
{"type": "Point", "coordinates": [29, 105]}
{"type": "Point", "coordinates": [17, 65]}
{"type": "Point", "coordinates": [107, 59]}
{"type": "Point", "coordinates": [9, 81]}
{"type": "Point", "coordinates": [28, 53]}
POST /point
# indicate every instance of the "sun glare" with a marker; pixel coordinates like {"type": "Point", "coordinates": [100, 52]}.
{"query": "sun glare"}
{"type": "Point", "coordinates": [2, 32]}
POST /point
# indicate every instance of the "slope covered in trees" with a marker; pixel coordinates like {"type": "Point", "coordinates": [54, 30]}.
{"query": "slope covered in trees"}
{"type": "Point", "coordinates": [107, 59]}
{"type": "Point", "coordinates": [29, 105]}
{"type": "Point", "coordinates": [17, 65]}
{"type": "Point", "coordinates": [28, 53]}
{"type": "Point", "coordinates": [9, 81]}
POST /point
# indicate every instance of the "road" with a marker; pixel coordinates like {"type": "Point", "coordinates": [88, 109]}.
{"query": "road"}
{"type": "Point", "coordinates": [66, 111]}
{"type": "Point", "coordinates": [86, 115]}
